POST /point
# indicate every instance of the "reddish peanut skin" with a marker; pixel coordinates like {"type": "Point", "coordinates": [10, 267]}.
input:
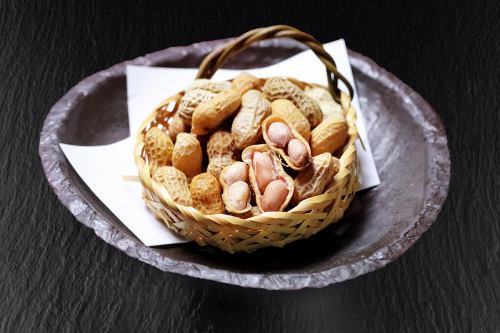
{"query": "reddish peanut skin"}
{"type": "Point", "coordinates": [297, 152]}
{"type": "Point", "coordinates": [279, 134]}
{"type": "Point", "coordinates": [238, 194]}
{"type": "Point", "coordinates": [274, 196]}
{"type": "Point", "coordinates": [238, 171]}
{"type": "Point", "coordinates": [263, 170]}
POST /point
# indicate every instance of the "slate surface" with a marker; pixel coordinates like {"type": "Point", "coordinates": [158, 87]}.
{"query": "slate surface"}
{"type": "Point", "coordinates": [55, 275]}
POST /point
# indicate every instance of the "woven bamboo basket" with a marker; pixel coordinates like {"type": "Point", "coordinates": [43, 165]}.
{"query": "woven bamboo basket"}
{"type": "Point", "coordinates": [234, 234]}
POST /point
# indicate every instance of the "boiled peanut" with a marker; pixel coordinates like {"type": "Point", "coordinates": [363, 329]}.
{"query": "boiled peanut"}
{"type": "Point", "coordinates": [280, 88]}
{"type": "Point", "coordinates": [297, 152]}
{"type": "Point", "coordinates": [312, 180]}
{"type": "Point", "coordinates": [264, 172]}
{"type": "Point", "coordinates": [274, 196]}
{"type": "Point", "coordinates": [176, 184]}
{"type": "Point", "coordinates": [330, 135]}
{"type": "Point", "coordinates": [190, 101]}
{"type": "Point", "coordinates": [246, 127]}
{"type": "Point", "coordinates": [254, 211]}
{"type": "Point", "coordinates": [235, 189]}
{"type": "Point", "coordinates": [220, 149]}
{"type": "Point", "coordinates": [279, 134]}
{"type": "Point", "coordinates": [220, 143]}
{"type": "Point", "coordinates": [325, 101]}
{"type": "Point", "coordinates": [211, 114]}
{"type": "Point", "coordinates": [187, 155]}
{"type": "Point", "coordinates": [244, 82]}
{"type": "Point", "coordinates": [212, 86]}
{"type": "Point", "coordinates": [158, 147]}
{"type": "Point", "coordinates": [265, 168]}
{"type": "Point", "coordinates": [238, 195]}
{"type": "Point", "coordinates": [218, 163]}
{"type": "Point", "coordinates": [206, 194]}
{"type": "Point", "coordinates": [287, 110]}
{"type": "Point", "coordinates": [237, 171]}
{"type": "Point", "coordinates": [176, 126]}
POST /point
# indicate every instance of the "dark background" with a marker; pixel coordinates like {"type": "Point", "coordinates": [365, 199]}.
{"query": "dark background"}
{"type": "Point", "coordinates": [56, 275]}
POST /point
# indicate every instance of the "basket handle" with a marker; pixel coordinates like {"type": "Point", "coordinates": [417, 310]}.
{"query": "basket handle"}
{"type": "Point", "coordinates": [216, 59]}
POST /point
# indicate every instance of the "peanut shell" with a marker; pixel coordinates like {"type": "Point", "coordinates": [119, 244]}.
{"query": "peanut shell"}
{"type": "Point", "coordinates": [220, 143]}
{"type": "Point", "coordinates": [187, 155]}
{"type": "Point", "coordinates": [325, 101]}
{"type": "Point", "coordinates": [176, 184]}
{"type": "Point", "coordinates": [246, 128]}
{"type": "Point", "coordinates": [286, 109]}
{"type": "Point", "coordinates": [282, 152]}
{"type": "Point", "coordinates": [190, 101]}
{"type": "Point", "coordinates": [235, 173]}
{"type": "Point", "coordinates": [244, 82]}
{"type": "Point", "coordinates": [206, 194]}
{"type": "Point", "coordinates": [212, 86]}
{"type": "Point", "coordinates": [211, 114]}
{"type": "Point", "coordinates": [176, 126]}
{"type": "Point", "coordinates": [277, 168]}
{"type": "Point", "coordinates": [330, 135]}
{"type": "Point", "coordinates": [158, 147]}
{"type": "Point", "coordinates": [280, 88]}
{"type": "Point", "coordinates": [217, 163]}
{"type": "Point", "coordinates": [312, 180]}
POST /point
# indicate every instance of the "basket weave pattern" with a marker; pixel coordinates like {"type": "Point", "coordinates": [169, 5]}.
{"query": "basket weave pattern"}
{"type": "Point", "coordinates": [235, 234]}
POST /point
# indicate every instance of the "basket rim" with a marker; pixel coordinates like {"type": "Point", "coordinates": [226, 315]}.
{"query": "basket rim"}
{"type": "Point", "coordinates": [193, 214]}
{"type": "Point", "coordinates": [72, 196]}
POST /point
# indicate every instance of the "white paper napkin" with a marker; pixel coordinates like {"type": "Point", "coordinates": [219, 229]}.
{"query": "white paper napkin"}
{"type": "Point", "coordinates": [146, 88]}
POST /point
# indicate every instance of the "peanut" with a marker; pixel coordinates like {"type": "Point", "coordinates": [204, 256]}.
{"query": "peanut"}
{"type": "Point", "coordinates": [244, 82]}
{"type": "Point", "coordinates": [212, 86]}
{"type": "Point", "coordinates": [237, 171]}
{"type": "Point", "coordinates": [238, 196]}
{"type": "Point", "coordinates": [246, 127]}
{"type": "Point", "coordinates": [158, 147]}
{"type": "Point", "coordinates": [254, 211]}
{"type": "Point", "coordinates": [220, 143]}
{"type": "Point", "coordinates": [330, 135]}
{"type": "Point", "coordinates": [187, 155]}
{"type": "Point", "coordinates": [190, 101]}
{"type": "Point", "coordinates": [235, 190]}
{"type": "Point", "coordinates": [263, 167]}
{"type": "Point", "coordinates": [325, 101]}
{"type": "Point", "coordinates": [211, 114]}
{"type": "Point", "coordinates": [279, 134]}
{"type": "Point", "coordinates": [274, 196]}
{"type": "Point", "coordinates": [312, 180]}
{"type": "Point", "coordinates": [206, 194]}
{"type": "Point", "coordinates": [280, 88]}
{"type": "Point", "coordinates": [297, 152]}
{"type": "Point", "coordinates": [176, 126]}
{"type": "Point", "coordinates": [176, 184]}
{"type": "Point", "coordinates": [218, 163]}
{"type": "Point", "coordinates": [220, 149]}
{"type": "Point", "coordinates": [287, 110]}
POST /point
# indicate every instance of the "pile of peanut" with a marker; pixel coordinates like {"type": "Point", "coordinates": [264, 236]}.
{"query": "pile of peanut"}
{"type": "Point", "coordinates": [248, 145]}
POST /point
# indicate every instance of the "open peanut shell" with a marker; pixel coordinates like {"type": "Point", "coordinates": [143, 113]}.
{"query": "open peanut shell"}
{"type": "Point", "coordinates": [236, 172]}
{"type": "Point", "coordinates": [279, 174]}
{"type": "Point", "coordinates": [282, 152]}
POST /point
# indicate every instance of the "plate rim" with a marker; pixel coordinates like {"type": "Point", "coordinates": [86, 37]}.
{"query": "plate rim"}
{"type": "Point", "coordinates": [83, 211]}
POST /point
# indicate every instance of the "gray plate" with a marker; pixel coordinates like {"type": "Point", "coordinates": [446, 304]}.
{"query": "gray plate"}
{"type": "Point", "coordinates": [409, 145]}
